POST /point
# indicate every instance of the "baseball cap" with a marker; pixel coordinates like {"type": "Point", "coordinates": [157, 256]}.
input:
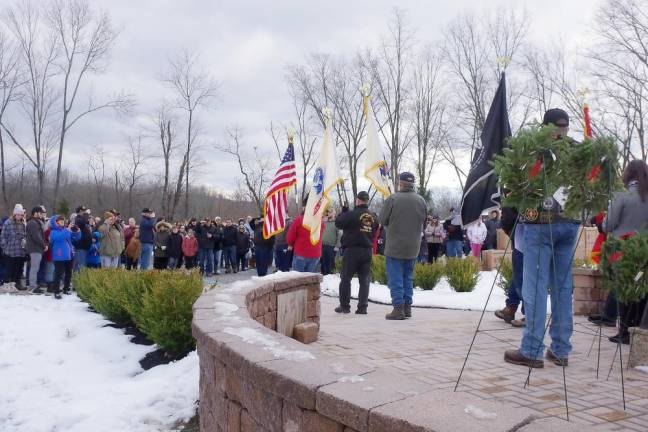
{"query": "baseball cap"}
{"type": "Point", "coordinates": [363, 196]}
{"type": "Point", "coordinates": [407, 177]}
{"type": "Point", "coordinates": [146, 210]}
{"type": "Point", "coordinates": [556, 117]}
{"type": "Point", "coordinates": [81, 209]}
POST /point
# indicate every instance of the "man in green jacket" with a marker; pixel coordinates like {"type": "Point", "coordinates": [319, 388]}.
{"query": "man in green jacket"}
{"type": "Point", "coordinates": [404, 216]}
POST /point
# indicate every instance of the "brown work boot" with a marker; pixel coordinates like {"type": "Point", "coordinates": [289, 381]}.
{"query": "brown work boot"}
{"type": "Point", "coordinates": [519, 322]}
{"type": "Point", "coordinates": [407, 310]}
{"type": "Point", "coordinates": [516, 357]}
{"type": "Point", "coordinates": [507, 314]}
{"type": "Point", "coordinates": [396, 314]}
{"type": "Point", "coordinates": [560, 361]}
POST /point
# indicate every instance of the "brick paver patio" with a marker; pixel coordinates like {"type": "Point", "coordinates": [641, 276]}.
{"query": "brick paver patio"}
{"type": "Point", "coordinates": [431, 347]}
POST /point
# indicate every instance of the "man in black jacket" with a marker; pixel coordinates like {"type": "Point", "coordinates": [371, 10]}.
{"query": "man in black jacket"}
{"type": "Point", "coordinates": [206, 242]}
{"type": "Point", "coordinates": [358, 227]}
{"type": "Point", "coordinates": [83, 245]}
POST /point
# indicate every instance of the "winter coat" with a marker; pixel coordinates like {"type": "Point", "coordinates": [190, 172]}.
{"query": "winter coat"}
{"type": "Point", "coordinates": [206, 235]}
{"type": "Point", "coordinates": [280, 239]}
{"type": "Point", "coordinates": [403, 216]}
{"type": "Point", "coordinates": [35, 236]}
{"type": "Point", "coordinates": [112, 240]}
{"type": "Point", "coordinates": [189, 246]}
{"type": "Point", "coordinates": [627, 212]}
{"type": "Point", "coordinates": [492, 226]}
{"type": "Point", "coordinates": [477, 233]}
{"type": "Point", "coordinates": [61, 239]}
{"type": "Point", "coordinates": [85, 241]}
{"type": "Point", "coordinates": [147, 230]}
{"type": "Point", "coordinates": [453, 228]}
{"type": "Point", "coordinates": [161, 237]}
{"type": "Point", "coordinates": [331, 234]}
{"type": "Point", "coordinates": [229, 236]}
{"type": "Point", "coordinates": [174, 245]}
{"type": "Point", "coordinates": [129, 232]}
{"type": "Point", "coordinates": [13, 238]}
{"type": "Point", "coordinates": [93, 257]}
{"type": "Point", "coordinates": [299, 238]}
{"type": "Point", "coordinates": [434, 233]}
{"type": "Point", "coordinates": [243, 242]}
{"type": "Point", "coordinates": [218, 237]}
{"type": "Point", "coordinates": [259, 241]}
{"type": "Point", "coordinates": [134, 248]}
{"type": "Point", "coordinates": [358, 227]}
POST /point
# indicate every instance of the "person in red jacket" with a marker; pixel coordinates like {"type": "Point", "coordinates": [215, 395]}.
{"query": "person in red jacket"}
{"type": "Point", "coordinates": [306, 255]}
{"type": "Point", "coordinates": [190, 249]}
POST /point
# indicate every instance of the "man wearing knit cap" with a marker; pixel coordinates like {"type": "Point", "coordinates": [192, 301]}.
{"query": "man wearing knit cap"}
{"type": "Point", "coordinates": [13, 241]}
{"type": "Point", "coordinates": [404, 216]}
{"type": "Point", "coordinates": [548, 240]}
{"type": "Point", "coordinates": [35, 245]}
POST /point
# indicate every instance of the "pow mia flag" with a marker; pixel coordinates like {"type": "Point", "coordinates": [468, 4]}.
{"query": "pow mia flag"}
{"type": "Point", "coordinates": [481, 191]}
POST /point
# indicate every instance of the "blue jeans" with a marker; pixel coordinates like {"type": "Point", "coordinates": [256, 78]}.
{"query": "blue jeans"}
{"type": "Point", "coordinates": [79, 259]}
{"type": "Point", "coordinates": [514, 297]}
{"type": "Point", "coordinates": [109, 261]}
{"type": "Point", "coordinates": [218, 253]}
{"type": "Point", "coordinates": [146, 256]}
{"type": "Point", "coordinates": [400, 279]}
{"type": "Point", "coordinates": [454, 248]}
{"type": "Point", "coordinates": [230, 257]}
{"type": "Point", "coordinates": [206, 260]}
{"type": "Point", "coordinates": [544, 271]}
{"type": "Point", "coordinates": [302, 264]}
{"type": "Point", "coordinates": [283, 258]}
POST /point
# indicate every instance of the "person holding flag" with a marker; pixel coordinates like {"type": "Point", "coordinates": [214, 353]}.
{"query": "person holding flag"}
{"type": "Point", "coordinates": [305, 234]}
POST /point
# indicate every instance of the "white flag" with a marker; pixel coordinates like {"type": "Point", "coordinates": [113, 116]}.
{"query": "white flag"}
{"type": "Point", "coordinates": [375, 166]}
{"type": "Point", "coordinates": [326, 178]}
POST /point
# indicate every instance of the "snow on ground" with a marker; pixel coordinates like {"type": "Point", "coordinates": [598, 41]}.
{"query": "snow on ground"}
{"type": "Point", "coordinates": [442, 296]}
{"type": "Point", "coordinates": [60, 370]}
{"type": "Point", "coordinates": [643, 369]}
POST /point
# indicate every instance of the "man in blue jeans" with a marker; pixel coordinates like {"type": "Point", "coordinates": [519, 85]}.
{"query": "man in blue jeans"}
{"type": "Point", "coordinates": [147, 238]}
{"type": "Point", "coordinates": [455, 242]}
{"type": "Point", "coordinates": [403, 215]}
{"type": "Point", "coordinates": [549, 240]}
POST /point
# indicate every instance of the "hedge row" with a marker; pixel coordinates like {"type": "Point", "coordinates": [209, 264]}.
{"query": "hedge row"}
{"type": "Point", "coordinates": [158, 303]}
{"type": "Point", "coordinates": [462, 274]}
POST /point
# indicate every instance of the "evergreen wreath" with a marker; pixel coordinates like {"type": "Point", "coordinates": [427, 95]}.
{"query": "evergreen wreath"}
{"type": "Point", "coordinates": [536, 165]}
{"type": "Point", "coordinates": [624, 266]}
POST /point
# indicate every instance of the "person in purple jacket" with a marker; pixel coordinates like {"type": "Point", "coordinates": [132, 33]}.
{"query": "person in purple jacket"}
{"type": "Point", "coordinates": [61, 239]}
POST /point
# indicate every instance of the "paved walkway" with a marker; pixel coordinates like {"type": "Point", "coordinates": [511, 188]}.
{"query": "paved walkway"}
{"type": "Point", "coordinates": [432, 346]}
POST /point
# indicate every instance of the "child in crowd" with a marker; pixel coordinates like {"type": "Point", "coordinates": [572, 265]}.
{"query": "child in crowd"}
{"type": "Point", "coordinates": [190, 249]}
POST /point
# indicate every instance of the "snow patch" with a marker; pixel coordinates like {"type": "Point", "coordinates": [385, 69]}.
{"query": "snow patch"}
{"type": "Point", "coordinates": [351, 379]}
{"type": "Point", "coordinates": [62, 370]}
{"type": "Point", "coordinates": [643, 369]}
{"type": "Point", "coordinates": [479, 413]}
{"type": "Point", "coordinates": [256, 337]}
{"type": "Point", "coordinates": [223, 308]}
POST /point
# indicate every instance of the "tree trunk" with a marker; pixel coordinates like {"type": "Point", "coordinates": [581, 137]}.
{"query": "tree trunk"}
{"type": "Point", "coordinates": [60, 159]}
{"type": "Point", "coordinates": [5, 199]}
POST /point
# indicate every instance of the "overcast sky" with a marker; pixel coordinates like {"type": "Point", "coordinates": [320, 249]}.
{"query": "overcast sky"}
{"type": "Point", "coordinates": [247, 44]}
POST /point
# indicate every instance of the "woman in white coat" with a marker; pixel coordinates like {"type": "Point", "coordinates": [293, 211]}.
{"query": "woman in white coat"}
{"type": "Point", "coordinates": [477, 233]}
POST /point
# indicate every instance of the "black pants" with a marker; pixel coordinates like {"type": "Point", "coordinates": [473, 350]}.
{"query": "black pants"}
{"type": "Point", "coordinates": [62, 270]}
{"type": "Point", "coordinates": [630, 315]}
{"type": "Point", "coordinates": [355, 260]}
{"type": "Point", "coordinates": [433, 251]}
{"type": "Point", "coordinates": [328, 259]}
{"type": "Point", "coordinates": [131, 264]}
{"type": "Point", "coordinates": [190, 262]}
{"type": "Point", "coordinates": [160, 263]}
{"type": "Point", "coordinates": [15, 270]}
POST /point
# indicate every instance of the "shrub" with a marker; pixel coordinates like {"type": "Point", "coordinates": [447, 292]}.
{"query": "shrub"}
{"type": "Point", "coordinates": [165, 314]}
{"type": "Point", "coordinates": [426, 276]}
{"type": "Point", "coordinates": [462, 274]}
{"type": "Point", "coordinates": [379, 269]}
{"type": "Point", "coordinates": [505, 275]}
{"type": "Point", "coordinates": [134, 286]}
{"type": "Point", "coordinates": [84, 285]}
{"type": "Point", "coordinates": [107, 294]}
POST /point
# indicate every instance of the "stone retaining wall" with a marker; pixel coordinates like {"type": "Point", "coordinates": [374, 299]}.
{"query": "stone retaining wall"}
{"type": "Point", "coordinates": [254, 379]}
{"type": "Point", "coordinates": [589, 297]}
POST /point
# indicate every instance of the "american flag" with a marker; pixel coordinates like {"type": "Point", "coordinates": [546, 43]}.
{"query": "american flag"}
{"type": "Point", "coordinates": [275, 209]}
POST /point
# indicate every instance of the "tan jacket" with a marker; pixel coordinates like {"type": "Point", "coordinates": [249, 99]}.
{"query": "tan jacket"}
{"type": "Point", "coordinates": [112, 240]}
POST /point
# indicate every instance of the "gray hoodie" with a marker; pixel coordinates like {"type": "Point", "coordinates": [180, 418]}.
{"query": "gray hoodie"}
{"type": "Point", "coordinates": [404, 215]}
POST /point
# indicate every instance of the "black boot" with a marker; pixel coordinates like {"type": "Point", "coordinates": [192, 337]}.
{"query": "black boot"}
{"type": "Point", "coordinates": [361, 310]}
{"type": "Point", "coordinates": [343, 309]}
{"type": "Point", "coordinates": [407, 310]}
{"type": "Point", "coordinates": [396, 314]}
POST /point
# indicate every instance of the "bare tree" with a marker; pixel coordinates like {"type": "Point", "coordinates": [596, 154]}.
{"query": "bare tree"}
{"type": "Point", "coordinates": [9, 83]}
{"type": "Point", "coordinates": [134, 169]}
{"type": "Point", "coordinates": [38, 48]}
{"type": "Point", "coordinates": [254, 167]}
{"type": "Point", "coordinates": [429, 110]}
{"type": "Point", "coordinates": [97, 174]}
{"type": "Point", "coordinates": [194, 89]}
{"type": "Point", "coordinates": [85, 39]}
{"type": "Point", "coordinates": [165, 132]}
{"type": "Point", "coordinates": [389, 67]}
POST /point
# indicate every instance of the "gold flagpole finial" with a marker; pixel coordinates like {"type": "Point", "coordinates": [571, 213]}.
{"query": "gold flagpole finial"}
{"type": "Point", "coordinates": [582, 93]}
{"type": "Point", "coordinates": [291, 135]}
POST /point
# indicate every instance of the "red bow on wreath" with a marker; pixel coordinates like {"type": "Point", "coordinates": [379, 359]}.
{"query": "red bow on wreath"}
{"type": "Point", "coordinates": [535, 169]}
{"type": "Point", "coordinates": [594, 173]}
{"type": "Point", "coordinates": [616, 256]}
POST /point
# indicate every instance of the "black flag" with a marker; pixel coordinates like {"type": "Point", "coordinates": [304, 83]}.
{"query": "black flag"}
{"type": "Point", "coordinates": [481, 191]}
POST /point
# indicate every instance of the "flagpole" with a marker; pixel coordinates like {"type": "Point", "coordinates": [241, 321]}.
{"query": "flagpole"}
{"type": "Point", "coordinates": [291, 139]}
